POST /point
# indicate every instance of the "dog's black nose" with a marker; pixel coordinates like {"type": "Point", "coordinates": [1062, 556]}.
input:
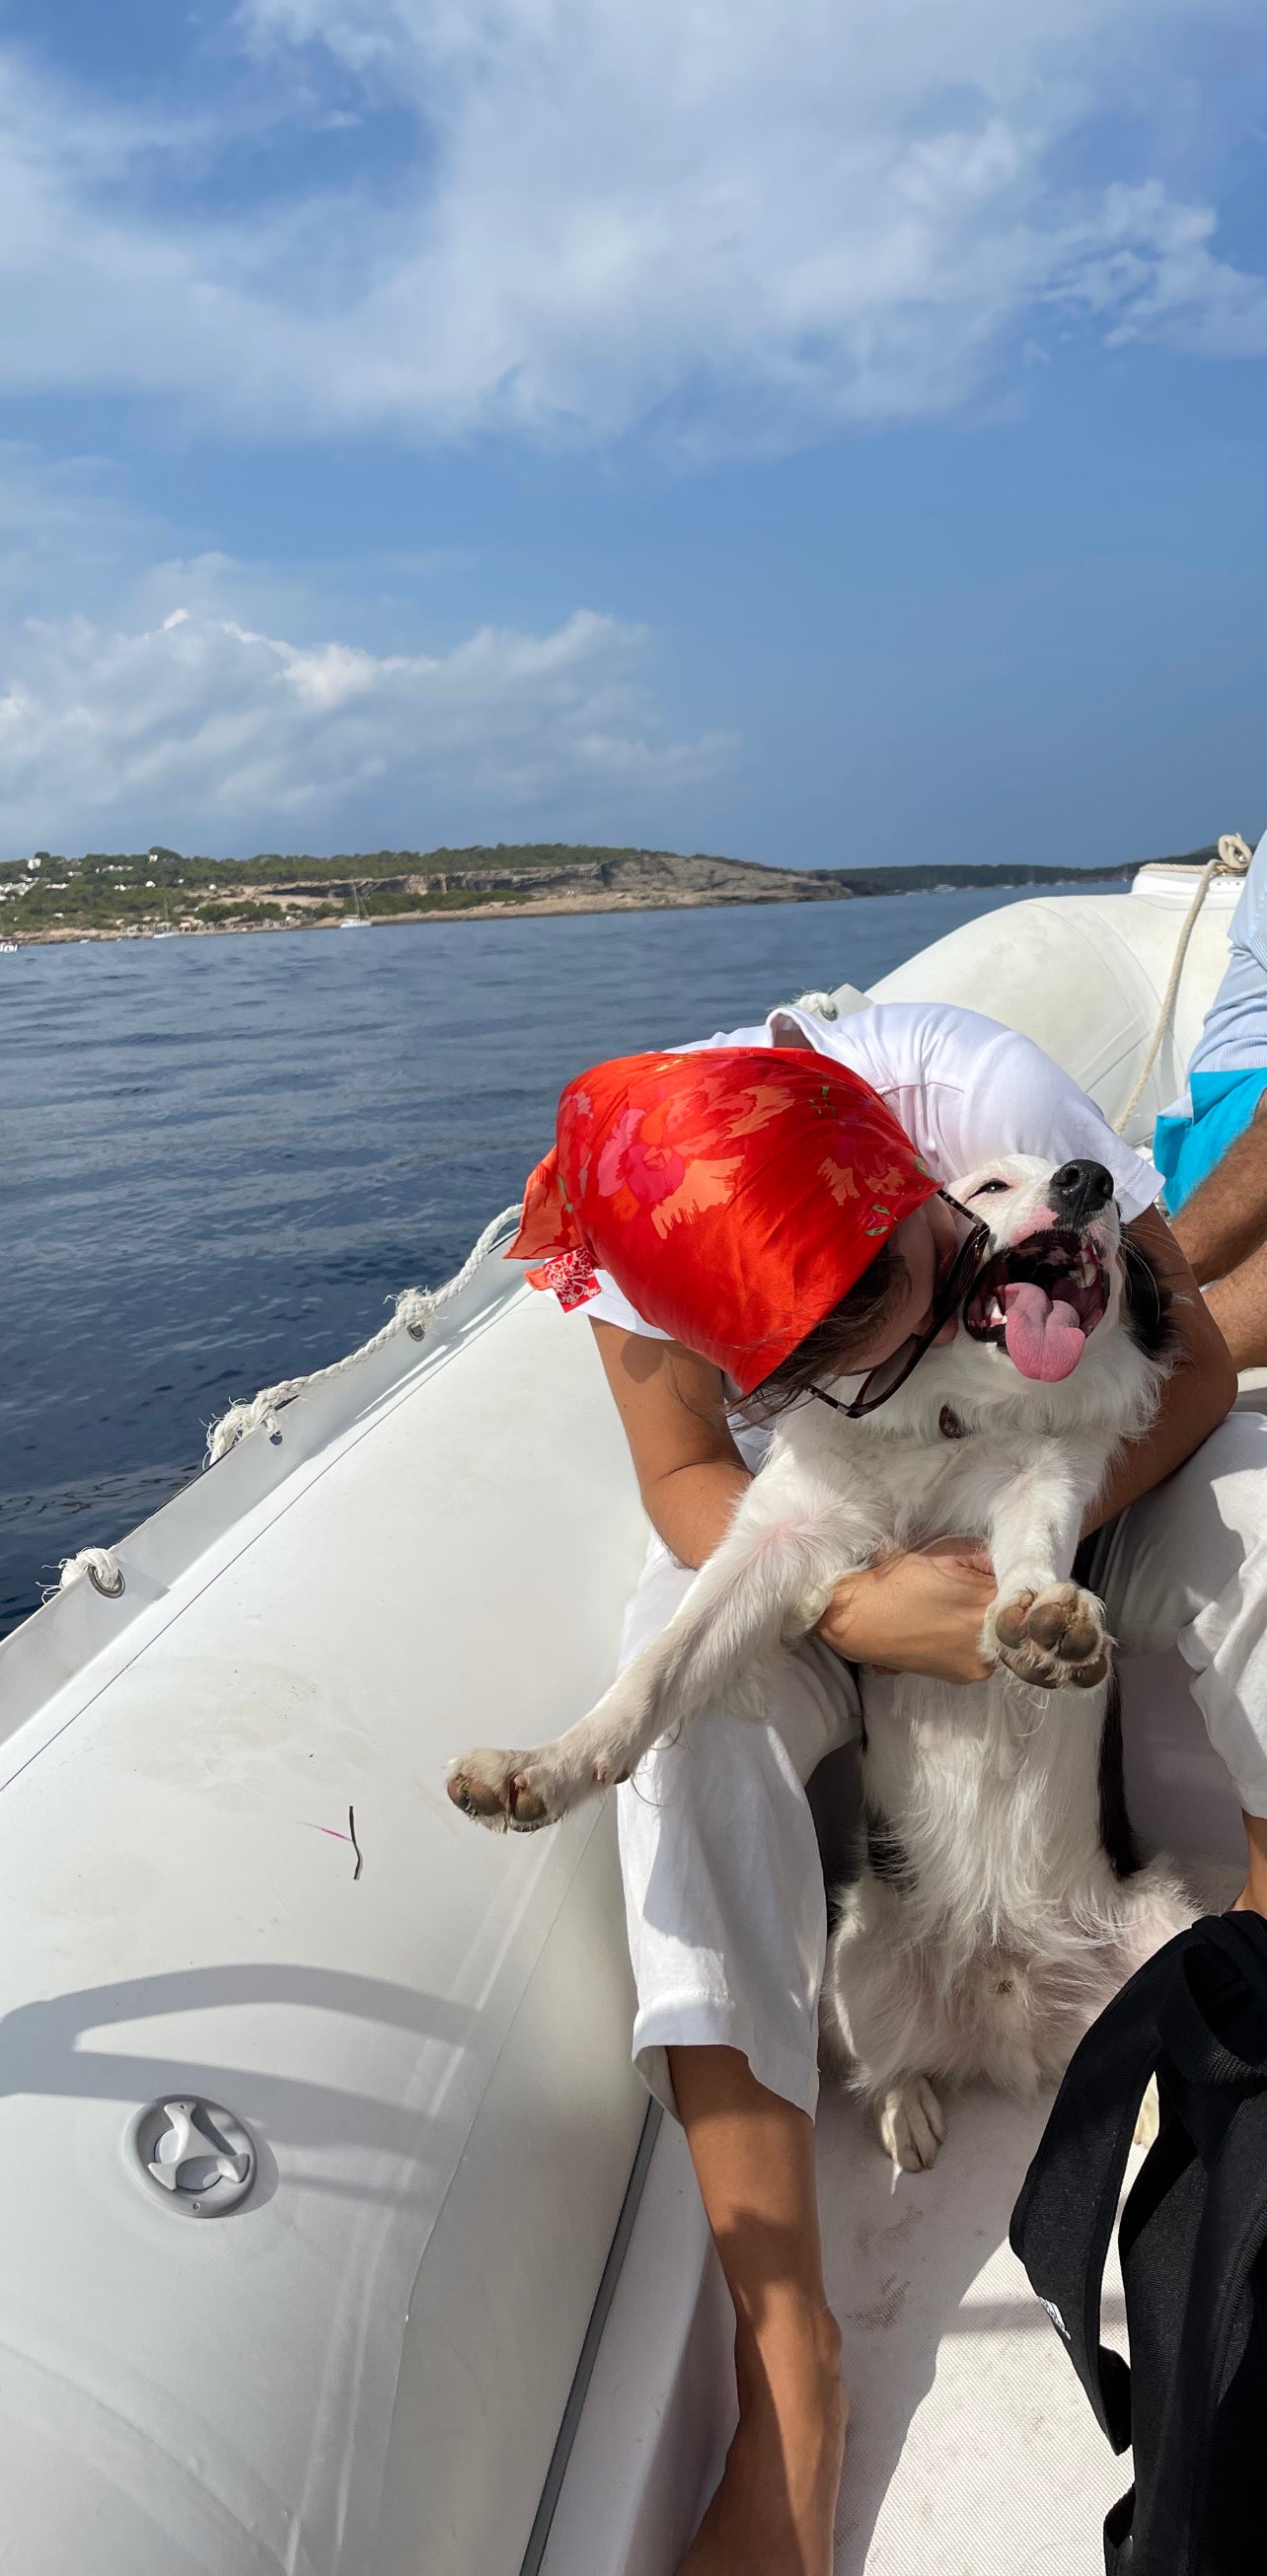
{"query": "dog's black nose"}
{"type": "Point", "coordinates": [1080, 1190]}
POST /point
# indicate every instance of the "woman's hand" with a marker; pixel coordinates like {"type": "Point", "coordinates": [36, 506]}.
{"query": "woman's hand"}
{"type": "Point", "coordinates": [921, 1613]}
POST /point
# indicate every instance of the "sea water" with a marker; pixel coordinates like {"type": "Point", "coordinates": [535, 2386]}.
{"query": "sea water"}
{"type": "Point", "coordinates": [223, 1154]}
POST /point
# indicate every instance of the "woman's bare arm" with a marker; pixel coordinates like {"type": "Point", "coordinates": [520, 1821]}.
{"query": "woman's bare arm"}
{"type": "Point", "coordinates": [672, 1406]}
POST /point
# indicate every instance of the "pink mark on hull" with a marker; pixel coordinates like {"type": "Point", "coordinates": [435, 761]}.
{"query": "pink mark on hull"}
{"type": "Point", "coordinates": [331, 1830]}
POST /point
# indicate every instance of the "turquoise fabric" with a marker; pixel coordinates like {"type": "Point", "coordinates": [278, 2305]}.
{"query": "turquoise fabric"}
{"type": "Point", "coordinates": [1185, 1150]}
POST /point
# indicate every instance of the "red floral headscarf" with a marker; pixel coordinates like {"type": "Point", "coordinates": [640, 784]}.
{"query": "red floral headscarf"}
{"type": "Point", "coordinates": [734, 1195]}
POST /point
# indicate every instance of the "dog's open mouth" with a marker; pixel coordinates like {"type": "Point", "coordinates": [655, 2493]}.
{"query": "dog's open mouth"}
{"type": "Point", "coordinates": [1038, 1301]}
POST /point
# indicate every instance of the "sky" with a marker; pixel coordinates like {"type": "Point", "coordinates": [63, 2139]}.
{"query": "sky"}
{"type": "Point", "coordinates": [823, 431]}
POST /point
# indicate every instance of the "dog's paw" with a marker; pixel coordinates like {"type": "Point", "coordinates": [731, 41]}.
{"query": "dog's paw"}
{"type": "Point", "coordinates": [1055, 1638]}
{"type": "Point", "coordinates": [1149, 2121]}
{"type": "Point", "coordinates": [912, 2124]}
{"type": "Point", "coordinates": [510, 1792]}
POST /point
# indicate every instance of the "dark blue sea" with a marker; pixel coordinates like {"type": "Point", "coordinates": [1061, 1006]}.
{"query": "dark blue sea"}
{"type": "Point", "coordinates": [224, 1154]}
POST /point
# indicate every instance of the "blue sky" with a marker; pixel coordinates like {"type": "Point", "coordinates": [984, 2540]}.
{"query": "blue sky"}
{"type": "Point", "coordinates": [821, 430]}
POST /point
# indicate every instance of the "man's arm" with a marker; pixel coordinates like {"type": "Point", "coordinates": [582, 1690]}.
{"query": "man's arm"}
{"type": "Point", "coordinates": [1226, 1217]}
{"type": "Point", "coordinates": [1223, 1230]}
{"type": "Point", "coordinates": [1200, 1390]}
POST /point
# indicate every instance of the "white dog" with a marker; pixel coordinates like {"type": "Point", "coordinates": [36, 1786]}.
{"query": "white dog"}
{"type": "Point", "coordinates": [990, 1924]}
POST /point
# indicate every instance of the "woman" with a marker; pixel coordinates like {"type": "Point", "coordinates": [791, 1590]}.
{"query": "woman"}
{"type": "Point", "coordinates": [696, 1288]}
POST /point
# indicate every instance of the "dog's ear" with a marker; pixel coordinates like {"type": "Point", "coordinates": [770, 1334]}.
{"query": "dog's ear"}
{"type": "Point", "coordinates": [1148, 1305]}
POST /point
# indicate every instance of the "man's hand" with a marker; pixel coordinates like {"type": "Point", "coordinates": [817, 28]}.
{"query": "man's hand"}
{"type": "Point", "coordinates": [921, 1613]}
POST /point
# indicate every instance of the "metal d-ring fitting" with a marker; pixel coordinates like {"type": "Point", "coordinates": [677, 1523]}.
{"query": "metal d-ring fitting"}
{"type": "Point", "coordinates": [100, 1583]}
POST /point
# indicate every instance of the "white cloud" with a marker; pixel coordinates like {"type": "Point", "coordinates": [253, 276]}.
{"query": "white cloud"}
{"type": "Point", "coordinates": [210, 734]}
{"type": "Point", "coordinates": [746, 219]}
{"type": "Point", "coordinates": [225, 706]}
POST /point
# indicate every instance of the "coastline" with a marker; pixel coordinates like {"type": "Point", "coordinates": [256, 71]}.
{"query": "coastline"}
{"type": "Point", "coordinates": [544, 907]}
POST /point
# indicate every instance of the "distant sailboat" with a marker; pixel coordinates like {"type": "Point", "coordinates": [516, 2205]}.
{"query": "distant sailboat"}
{"type": "Point", "coordinates": [355, 920]}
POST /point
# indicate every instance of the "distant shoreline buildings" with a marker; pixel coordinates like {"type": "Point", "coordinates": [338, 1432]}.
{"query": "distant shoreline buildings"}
{"type": "Point", "coordinates": [99, 896]}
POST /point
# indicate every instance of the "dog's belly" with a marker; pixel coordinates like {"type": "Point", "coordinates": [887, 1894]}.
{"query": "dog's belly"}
{"type": "Point", "coordinates": [993, 1929]}
{"type": "Point", "coordinates": [1010, 2015]}
{"type": "Point", "coordinates": [996, 1931]}
{"type": "Point", "coordinates": [991, 1790]}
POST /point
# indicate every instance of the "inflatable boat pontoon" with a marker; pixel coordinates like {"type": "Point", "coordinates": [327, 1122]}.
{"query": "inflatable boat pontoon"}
{"type": "Point", "coordinates": [336, 2235]}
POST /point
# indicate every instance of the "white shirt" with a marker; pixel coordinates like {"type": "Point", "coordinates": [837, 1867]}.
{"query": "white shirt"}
{"type": "Point", "coordinates": [963, 1088]}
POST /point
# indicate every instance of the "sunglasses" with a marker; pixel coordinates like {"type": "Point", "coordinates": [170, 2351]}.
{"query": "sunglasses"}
{"type": "Point", "coordinates": [884, 1380]}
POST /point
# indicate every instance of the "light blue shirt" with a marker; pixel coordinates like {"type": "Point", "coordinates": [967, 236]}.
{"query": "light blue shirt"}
{"type": "Point", "coordinates": [1234, 1038]}
{"type": "Point", "coordinates": [1227, 1078]}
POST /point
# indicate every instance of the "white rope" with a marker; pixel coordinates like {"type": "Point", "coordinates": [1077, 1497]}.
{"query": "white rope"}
{"type": "Point", "coordinates": [1232, 858]}
{"type": "Point", "coordinates": [415, 1310]}
{"type": "Point", "coordinates": [99, 1564]}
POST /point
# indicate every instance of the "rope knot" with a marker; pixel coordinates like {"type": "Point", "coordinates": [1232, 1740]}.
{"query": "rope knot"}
{"type": "Point", "coordinates": [101, 1566]}
{"type": "Point", "coordinates": [234, 1425]}
{"type": "Point", "coordinates": [1234, 853]}
{"type": "Point", "coordinates": [415, 1308]}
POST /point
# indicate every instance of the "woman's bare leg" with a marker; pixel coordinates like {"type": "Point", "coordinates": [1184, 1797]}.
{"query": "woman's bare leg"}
{"type": "Point", "coordinates": [1253, 1895]}
{"type": "Point", "coordinates": [753, 2155]}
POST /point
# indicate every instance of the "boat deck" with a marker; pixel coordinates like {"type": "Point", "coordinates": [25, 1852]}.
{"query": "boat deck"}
{"type": "Point", "coordinates": [972, 2450]}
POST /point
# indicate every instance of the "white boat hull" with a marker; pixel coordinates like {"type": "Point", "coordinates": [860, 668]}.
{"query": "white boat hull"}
{"type": "Point", "coordinates": [300, 1634]}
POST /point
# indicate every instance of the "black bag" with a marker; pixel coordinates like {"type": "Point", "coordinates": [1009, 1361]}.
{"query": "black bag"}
{"type": "Point", "coordinates": [1193, 2403]}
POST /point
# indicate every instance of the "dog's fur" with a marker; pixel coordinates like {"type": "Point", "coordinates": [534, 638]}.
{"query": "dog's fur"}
{"type": "Point", "coordinates": [989, 1925]}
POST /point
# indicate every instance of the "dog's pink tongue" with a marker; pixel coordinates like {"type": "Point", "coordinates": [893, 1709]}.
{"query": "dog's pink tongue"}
{"type": "Point", "coordinates": [1043, 1335]}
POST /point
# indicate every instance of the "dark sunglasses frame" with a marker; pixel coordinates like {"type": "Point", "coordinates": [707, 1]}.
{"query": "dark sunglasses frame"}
{"type": "Point", "coordinates": [890, 1375]}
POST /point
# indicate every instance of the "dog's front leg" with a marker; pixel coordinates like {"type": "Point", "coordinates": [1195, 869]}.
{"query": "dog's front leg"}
{"type": "Point", "coordinates": [1044, 1628]}
{"type": "Point", "coordinates": [771, 1578]}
